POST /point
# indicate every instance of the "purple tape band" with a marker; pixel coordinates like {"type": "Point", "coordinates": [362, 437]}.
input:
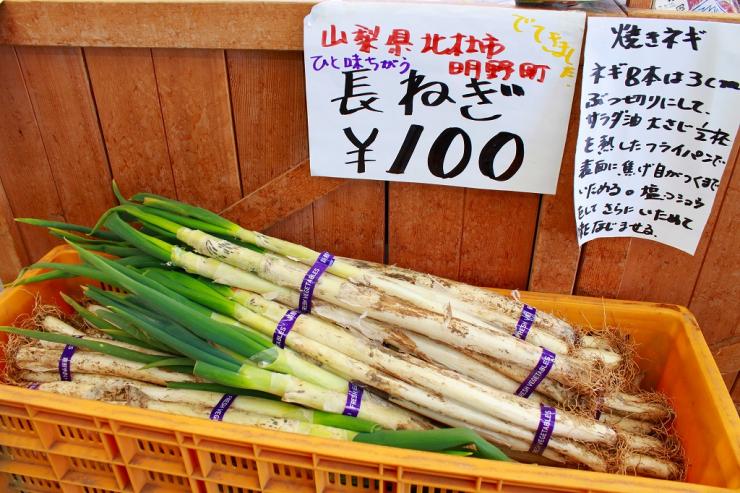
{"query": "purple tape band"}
{"type": "Point", "coordinates": [322, 263]}
{"type": "Point", "coordinates": [283, 327]}
{"type": "Point", "coordinates": [354, 400]}
{"type": "Point", "coordinates": [33, 386]}
{"type": "Point", "coordinates": [526, 319]}
{"type": "Point", "coordinates": [544, 429]}
{"type": "Point", "coordinates": [538, 373]}
{"type": "Point", "coordinates": [223, 405]}
{"type": "Point", "coordinates": [65, 362]}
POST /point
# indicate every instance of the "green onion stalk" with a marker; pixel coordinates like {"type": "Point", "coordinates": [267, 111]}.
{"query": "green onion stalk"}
{"type": "Point", "coordinates": [202, 221]}
{"type": "Point", "coordinates": [247, 264]}
{"type": "Point", "coordinates": [405, 287]}
{"type": "Point", "coordinates": [268, 414]}
{"type": "Point", "coordinates": [194, 344]}
{"type": "Point", "coordinates": [345, 353]}
{"type": "Point", "coordinates": [178, 254]}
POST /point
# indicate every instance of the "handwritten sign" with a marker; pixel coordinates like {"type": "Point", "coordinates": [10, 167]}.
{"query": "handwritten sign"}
{"type": "Point", "coordinates": [460, 95]}
{"type": "Point", "coordinates": [660, 108]}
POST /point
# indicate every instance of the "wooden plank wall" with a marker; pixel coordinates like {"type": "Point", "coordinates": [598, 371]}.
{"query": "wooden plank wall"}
{"type": "Point", "coordinates": [211, 126]}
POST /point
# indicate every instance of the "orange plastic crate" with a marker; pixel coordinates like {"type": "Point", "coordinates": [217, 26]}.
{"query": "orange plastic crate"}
{"type": "Point", "coordinates": [50, 443]}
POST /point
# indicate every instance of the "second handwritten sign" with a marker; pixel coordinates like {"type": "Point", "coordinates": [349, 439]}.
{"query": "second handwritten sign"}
{"type": "Point", "coordinates": [460, 95]}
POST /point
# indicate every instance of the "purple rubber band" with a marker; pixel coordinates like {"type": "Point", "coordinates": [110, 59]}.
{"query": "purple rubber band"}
{"type": "Point", "coordinates": [33, 386]}
{"type": "Point", "coordinates": [526, 319]}
{"type": "Point", "coordinates": [354, 400]}
{"type": "Point", "coordinates": [223, 405]}
{"type": "Point", "coordinates": [538, 373]}
{"type": "Point", "coordinates": [323, 262]}
{"type": "Point", "coordinates": [544, 429]}
{"type": "Point", "coordinates": [65, 362]}
{"type": "Point", "coordinates": [283, 327]}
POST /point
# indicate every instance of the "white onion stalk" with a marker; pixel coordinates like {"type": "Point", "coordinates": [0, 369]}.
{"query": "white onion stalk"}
{"type": "Point", "coordinates": [502, 376]}
{"type": "Point", "coordinates": [53, 324]}
{"type": "Point", "coordinates": [500, 439]}
{"type": "Point", "coordinates": [122, 395]}
{"type": "Point", "coordinates": [241, 418]}
{"type": "Point", "coordinates": [417, 295]}
{"type": "Point", "coordinates": [436, 379]}
{"type": "Point", "coordinates": [471, 295]}
{"type": "Point", "coordinates": [45, 360]}
{"type": "Point", "coordinates": [361, 299]}
{"type": "Point", "coordinates": [421, 347]}
{"type": "Point", "coordinates": [290, 388]}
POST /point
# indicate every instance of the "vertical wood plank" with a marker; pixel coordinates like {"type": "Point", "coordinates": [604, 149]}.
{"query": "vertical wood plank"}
{"type": "Point", "coordinates": [556, 251]}
{"type": "Point", "coordinates": [425, 227]}
{"type": "Point", "coordinates": [194, 93]}
{"type": "Point", "coordinates": [730, 379]}
{"type": "Point", "coordinates": [125, 91]}
{"type": "Point", "coordinates": [671, 274]}
{"type": "Point", "coordinates": [717, 291]}
{"type": "Point", "coordinates": [13, 251]}
{"type": "Point", "coordinates": [58, 86]}
{"type": "Point", "coordinates": [350, 221]}
{"type": "Point", "coordinates": [497, 237]}
{"type": "Point", "coordinates": [269, 104]}
{"type": "Point", "coordinates": [24, 167]}
{"type": "Point", "coordinates": [602, 267]}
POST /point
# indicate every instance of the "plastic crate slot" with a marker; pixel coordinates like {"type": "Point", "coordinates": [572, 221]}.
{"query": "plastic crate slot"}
{"type": "Point", "coordinates": [108, 287]}
{"type": "Point", "coordinates": [230, 462]}
{"type": "Point", "coordinates": [91, 489]}
{"type": "Point", "coordinates": [352, 468]}
{"type": "Point", "coordinates": [527, 488]}
{"type": "Point", "coordinates": [75, 434]}
{"type": "Point", "coordinates": [90, 465]}
{"type": "Point", "coordinates": [14, 424]}
{"type": "Point", "coordinates": [420, 488]}
{"type": "Point", "coordinates": [155, 448]}
{"type": "Point", "coordinates": [31, 484]}
{"type": "Point", "coordinates": [292, 472]}
{"type": "Point", "coordinates": [167, 479]}
{"type": "Point", "coordinates": [23, 455]}
{"type": "Point", "coordinates": [226, 488]}
{"type": "Point", "coordinates": [358, 483]}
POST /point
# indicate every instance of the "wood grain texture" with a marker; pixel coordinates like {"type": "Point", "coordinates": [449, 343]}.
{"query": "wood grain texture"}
{"type": "Point", "coordinates": [194, 94]}
{"type": "Point", "coordinates": [279, 198]}
{"type": "Point", "coordinates": [59, 90]}
{"type": "Point", "coordinates": [26, 177]}
{"type": "Point", "coordinates": [728, 358]}
{"type": "Point", "coordinates": [125, 91]}
{"type": "Point", "coordinates": [424, 227]}
{"type": "Point", "coordinates": [639, 4]}
{"type": "Point", "coordinates": [350, 221]}
{"type": "Point", "coordinates": [730, 379]}
{"type": "Point", "coordinates": [672, 274]}
{"type": "Point", "coordinates": [13, 255]}
{"type": "Point", "coordinates": [171, 24]}
{"type": "Point", "coordinates": [556, 251]}
{"type": "Point", "coordinates": [602, 267]}
{"type": "Point", "coordinates": [714, 301]}
{"type": "Point", "coordinates": [497, 238]}
{"type": "Point", "coordinates": [269, 104]}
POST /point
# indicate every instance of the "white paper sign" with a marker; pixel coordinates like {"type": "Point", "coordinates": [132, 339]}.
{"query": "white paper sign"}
{"type": "Point", "coordinates": [461, 95]}
{"type": "Point", "coordinates": [660, 109]}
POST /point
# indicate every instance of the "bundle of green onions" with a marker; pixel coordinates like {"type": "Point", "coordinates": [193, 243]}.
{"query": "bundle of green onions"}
{"type": "Point", "coordinates": [255, 312]}
{"type": "Point", "coordinates": [109, 370]}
